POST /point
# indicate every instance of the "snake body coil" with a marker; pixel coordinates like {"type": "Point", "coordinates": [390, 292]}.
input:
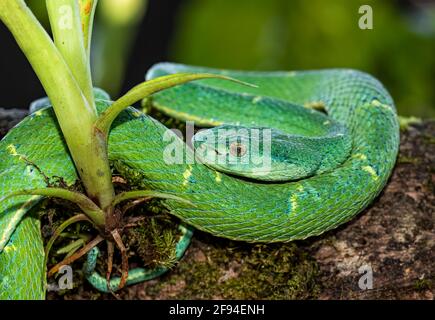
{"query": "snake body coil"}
{"type": "Point", "coordinates": [252, 211]}
{"type": "Point", "coordinates": [346, 176]}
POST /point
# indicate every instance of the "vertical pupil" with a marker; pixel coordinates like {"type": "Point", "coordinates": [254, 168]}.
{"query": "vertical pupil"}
{"type": "Point", "coordinates": [239, 150]}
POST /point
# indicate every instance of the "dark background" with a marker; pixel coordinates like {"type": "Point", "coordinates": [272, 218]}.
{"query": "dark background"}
{"type": "Point", "coordinates": [270, 35]}
{"type": "Point", "coordinates": [19, 85]}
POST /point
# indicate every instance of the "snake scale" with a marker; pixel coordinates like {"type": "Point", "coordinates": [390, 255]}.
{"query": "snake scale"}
{"type": "Point", "coordinates": [225, 204]}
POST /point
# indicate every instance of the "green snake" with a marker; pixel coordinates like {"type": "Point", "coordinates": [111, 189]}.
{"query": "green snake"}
{"type": "Point", "coordinates": [323, 169]}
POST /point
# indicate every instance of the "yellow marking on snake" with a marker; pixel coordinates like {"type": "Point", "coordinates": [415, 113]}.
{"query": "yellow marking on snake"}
{"type": "Point", "coordinates": [9, 248]}
{"type": "Point", "coordinates": [294, 199]}
{"type": "Point", "coordinates": [294, 203]}
{"type": "Point", "coordinates": [38, 113]}
{"type": "Point", "coordinates": [257, 99]}
{"type": "Point", "coordinates": [9, 229]}
{"type": "Point", "coordinates": [218, 177]}
{"type": "Point", "coordinates": [317, 105]}
{"type": "Point", "coordinates": [187, 175]}
{"type": "Point", "coordinates": [377, 103]}
{"type": "Point", "coordinates": [371, 171]}
{"type": "Point", "coordinates": [186, 116]}
{"type": "Point", "coordinates": [12, 150]}
{"type": "Point", "coordinates": [360, 156]}
{"type": "Point", "coordinates": [137, 114]}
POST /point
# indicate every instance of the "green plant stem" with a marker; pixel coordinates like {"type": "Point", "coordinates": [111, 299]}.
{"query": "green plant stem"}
{"type": "Point", "coordinates": [75, 256]}
{"type": "Point", "coordinates": [147, 88]}
{"type": "Point", "coordinates": [86, 204]}
{"type": "Point", "coordinates": [71, 248]}
{"type": "Point", "coordinates": [127, 195]}
{"type": "Point", "coordinates": [66, 25]}
{"type": "Point", "coordinates": [75, 115]}
{"type": "Point", "coordinates": [58, 231]}
{"type": "Point", "coordinates": [87, 12]}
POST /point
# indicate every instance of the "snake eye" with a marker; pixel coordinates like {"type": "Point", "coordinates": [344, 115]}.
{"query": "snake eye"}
{"type": "Point", "coordinates": [237, 149]}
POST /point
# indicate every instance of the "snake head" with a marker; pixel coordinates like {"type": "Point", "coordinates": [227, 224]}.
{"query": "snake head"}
{"type": "Point", "coordinates": [257, 153]}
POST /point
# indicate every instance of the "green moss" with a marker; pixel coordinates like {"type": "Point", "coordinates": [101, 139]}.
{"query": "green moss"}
{"type": "Point", "coordinates": [406, 122]}
{"type": "Point", "coordinates": [215, 268]}
{"type": "Point", "coordinates": [154, 241]}
{"type": "Point", "coordinates": [231, 270]}
{"type": "Point", "coordinates": [405, 159]}
{"type": "Point", "coordinates": [430, 139]}
{"type": "Point", "coordinates": [423, 284]}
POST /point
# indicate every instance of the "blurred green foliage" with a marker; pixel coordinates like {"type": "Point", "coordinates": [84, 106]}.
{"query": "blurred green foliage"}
{"type": "Point", "coordinates": [115, 28]}
{"type": "Point", "coordinates": [116, 25]}
{"type": "Point", "coordinates": [39, 9]}
{"type": "Point", "coordinates": [300, 34]}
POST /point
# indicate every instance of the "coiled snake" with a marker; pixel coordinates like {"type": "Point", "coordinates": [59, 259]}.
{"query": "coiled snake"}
{"type": "Point", "coordinates": [323, 169]}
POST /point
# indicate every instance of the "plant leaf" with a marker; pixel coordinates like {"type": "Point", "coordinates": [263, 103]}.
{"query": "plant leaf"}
{"type": "Point", "coordinates": [147, 88]}
{"type": "Point", "coordinates": [123, 196]}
